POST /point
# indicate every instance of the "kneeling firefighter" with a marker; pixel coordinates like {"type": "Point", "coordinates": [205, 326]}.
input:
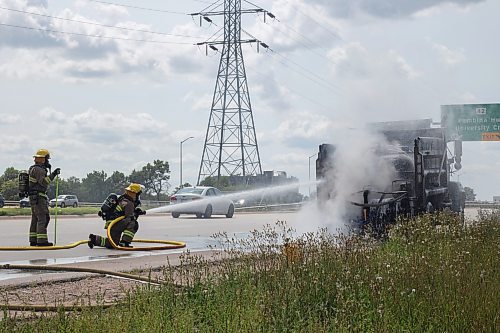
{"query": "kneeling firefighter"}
{"type": "Point", "coordinates": [114, 206]}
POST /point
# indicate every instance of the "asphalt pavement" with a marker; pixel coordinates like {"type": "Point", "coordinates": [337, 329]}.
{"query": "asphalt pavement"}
{"type": "Point", "coordinates": [196, 233]}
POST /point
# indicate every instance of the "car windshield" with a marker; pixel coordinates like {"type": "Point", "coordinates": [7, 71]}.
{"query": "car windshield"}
{"type": "Point", "coordinates": [61, 197]}
{"type": "Point", "coordinates": [192, 190]}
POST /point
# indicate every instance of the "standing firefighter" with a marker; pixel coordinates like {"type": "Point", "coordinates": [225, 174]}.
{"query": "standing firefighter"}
{"type": "Point", "coordinates": [114, 207]}
{"type": "Point", "coordinates": [39, 180]}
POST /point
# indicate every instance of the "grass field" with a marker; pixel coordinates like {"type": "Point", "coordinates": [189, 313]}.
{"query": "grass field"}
{"type": "Point", "coordinates": [16, 211]}
{"type": "Point", "coordinates": [432, 274]}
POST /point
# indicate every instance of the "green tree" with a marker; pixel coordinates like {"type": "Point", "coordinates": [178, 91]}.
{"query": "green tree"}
{"type": "Point", "coordinates": [154, 177]}
{"type": "Point", "coordinates": [94, 187]}
{"type": "Point", "coordinates": [72, 185]}
{"type": "Point", "coordinates": [177, 188]}
{"type": "Point", "coordinates": [116, 182]}
{"type": "Point", "coordinates": [9, 186]}
{"type": "Point", "coordinates": [222, 184]}
{"type": "Point", "coordinates": [469, 194]}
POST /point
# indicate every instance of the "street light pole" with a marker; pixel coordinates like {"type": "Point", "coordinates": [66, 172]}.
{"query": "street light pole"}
{"type": "Point", "coordinates": [313, 155]}
{"type": "Point", "coordinates": [191, 137]}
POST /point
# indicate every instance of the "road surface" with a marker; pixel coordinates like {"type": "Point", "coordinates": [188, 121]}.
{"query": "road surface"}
{"type": "Point", "coordinates": [197, 233]}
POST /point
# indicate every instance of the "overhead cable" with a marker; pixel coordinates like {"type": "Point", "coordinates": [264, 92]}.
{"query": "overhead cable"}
{"type": "Point", "coordinates": [137, 7]}
{"type": "Point", "coordinates": [98, 24]}
{"type": "Point", "coordinates": [315, 21]}
{"type": "Point", "coordinates": [324, 82]}
{"type": "Point", "coordinates": [94, 36]}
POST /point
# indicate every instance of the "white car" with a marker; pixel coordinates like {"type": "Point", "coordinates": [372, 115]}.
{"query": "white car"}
{"type": "Point", "coordinates": [203, 201]}
{"type": "Point", "coordinates": [65, 200]}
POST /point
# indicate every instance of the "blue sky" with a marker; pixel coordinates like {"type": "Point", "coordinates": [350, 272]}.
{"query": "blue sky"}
{"type": "Point", "coordinates": [116, 104]}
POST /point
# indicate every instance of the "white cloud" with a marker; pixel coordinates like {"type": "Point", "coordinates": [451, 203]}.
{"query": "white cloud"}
{"type": "Point", "coordinates": [384, 9]}
{"type": "Point", "coordinates": [355, 61]}
{"type": "Point", "coordinates": [9, 119]}
{"type": "Point", "coordinates": [403, 65]}
{"type": "Point", "coordinates": [78, 56]}
{"type": "Point", "coordinates": [306, 129]}
{"type": "Point", "coordinates": [448, 56]}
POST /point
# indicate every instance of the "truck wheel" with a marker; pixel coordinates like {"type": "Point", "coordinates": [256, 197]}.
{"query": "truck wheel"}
{"type": "Point", "coordinates": [63, 205]}
{"type": "Point", "coordinates": [75, 205]}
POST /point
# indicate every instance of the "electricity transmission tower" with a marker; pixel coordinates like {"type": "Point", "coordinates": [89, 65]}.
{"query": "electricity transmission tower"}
{"type": "Point", "coordinates": [230, 142]}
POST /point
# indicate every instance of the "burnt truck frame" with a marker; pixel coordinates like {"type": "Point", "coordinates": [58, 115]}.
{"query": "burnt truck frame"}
{"type": "Point", "coordinates": [421, 186]}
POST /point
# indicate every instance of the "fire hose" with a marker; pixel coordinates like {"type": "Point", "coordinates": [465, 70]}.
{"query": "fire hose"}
{"type": "Point", "coordinates": [29, 307]}
{"type": "Point", "coordinates": [168, 244]}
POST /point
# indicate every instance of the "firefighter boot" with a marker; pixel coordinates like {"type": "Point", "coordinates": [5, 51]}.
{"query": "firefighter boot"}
{"type": "Point", "coordinates": [92, 241]}
{"type": "Point", "coordinates": [125, 244]}
{"type": "Point", "coordinates": [45, 244]}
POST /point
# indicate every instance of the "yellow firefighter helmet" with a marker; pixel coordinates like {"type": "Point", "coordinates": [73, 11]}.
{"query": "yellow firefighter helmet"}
{"type": "Point", "coordinates": [42, 153]}
{"type": "Point", "coordinates": [133, 187]}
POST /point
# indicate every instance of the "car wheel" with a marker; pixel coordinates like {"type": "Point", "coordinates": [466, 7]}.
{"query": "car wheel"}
{"type": "Point", "coordinates": [175, 215]}
{"type": "Point", "coordinates": [208, 212]}
{"type": "Point", "coordinates": [75, 205]}
{"type": "Point", "coordinates": [63, 205]}
{"type": "Point", "coordinates": [230, 211]}
{"type": "Point", "coordinates": [199, 215]}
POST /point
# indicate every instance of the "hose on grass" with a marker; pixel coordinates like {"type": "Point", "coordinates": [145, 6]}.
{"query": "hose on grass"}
{"type": "Point", "coordinates": [55, 308]}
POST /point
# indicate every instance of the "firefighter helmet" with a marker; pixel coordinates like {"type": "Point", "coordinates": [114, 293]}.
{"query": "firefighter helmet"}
{"type": "Point", "coordinates": [133, 187]}
{"type": "Point", "coordinates": [42, 153]}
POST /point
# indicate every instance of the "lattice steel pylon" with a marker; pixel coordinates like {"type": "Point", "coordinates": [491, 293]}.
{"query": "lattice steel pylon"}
{"type": "Point", "coordinates": [230, 142]}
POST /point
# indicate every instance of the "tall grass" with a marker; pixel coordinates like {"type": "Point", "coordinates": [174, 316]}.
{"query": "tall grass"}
{"type": "Point", "coordinates": [432, 274]}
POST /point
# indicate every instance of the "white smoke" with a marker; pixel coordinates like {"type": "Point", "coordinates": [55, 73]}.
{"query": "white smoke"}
{"type": "Point", "coordinates": [362, 160]}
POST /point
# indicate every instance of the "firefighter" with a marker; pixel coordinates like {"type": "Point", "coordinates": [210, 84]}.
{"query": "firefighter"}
{"type": "Point", "coordinates": [128, 226]}
{"type": "Point", "coordinates": [39, 180]}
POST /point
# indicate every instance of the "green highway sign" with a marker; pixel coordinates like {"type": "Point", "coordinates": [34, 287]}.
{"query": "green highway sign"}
{"type": "Point", "coordinates": [471, 122]}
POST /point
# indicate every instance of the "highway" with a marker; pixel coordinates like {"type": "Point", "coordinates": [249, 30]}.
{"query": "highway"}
{"type": "Point", "coordinates": [197, 233]}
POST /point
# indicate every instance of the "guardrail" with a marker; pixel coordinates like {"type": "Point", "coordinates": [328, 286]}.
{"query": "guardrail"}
{"type": "Point", "coordinates": [145, 203]}
{"type": "Point", "coordinates": [483, 204]}
{"type": "Point", "coordinates": [273, 207]}
{"type": "Point", "coordinates": [270, 207]}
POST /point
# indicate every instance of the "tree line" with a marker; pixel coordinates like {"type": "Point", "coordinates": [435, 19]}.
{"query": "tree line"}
{"type": "Point", "coordinates": [96, 186]}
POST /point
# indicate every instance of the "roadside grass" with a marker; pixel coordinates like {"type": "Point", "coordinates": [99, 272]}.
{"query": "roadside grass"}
{"type": "Point", "coordinates": [16, 211]}
{"type": "Point", "coordinates": [432, 274]}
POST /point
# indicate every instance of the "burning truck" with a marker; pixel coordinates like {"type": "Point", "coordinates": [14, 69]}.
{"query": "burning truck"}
{"type": "Point", "coordinates": [422, 158]}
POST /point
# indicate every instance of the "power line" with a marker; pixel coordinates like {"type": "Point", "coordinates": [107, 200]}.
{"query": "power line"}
{"type": "Point", "coordinates": [315, 21]}
{"type": "Point", "coordinates": [94, 36]}
{"type": "Point", "coordinates": [211, 6]}
{"type": "Point", "coordinates": [325, 82]}
{"type": "Point", "coordinates": [137, 7]}
{"type": "Point", "coordinates": [98, 24]}
{"type": "Point", "coordinates": [293, 90]}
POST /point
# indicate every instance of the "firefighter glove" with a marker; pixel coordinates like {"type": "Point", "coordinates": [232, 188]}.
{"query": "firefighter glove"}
{"type": "Point", "coordinates": [55, 173]}
{"type": "Point", "coordinates": [139, 211]}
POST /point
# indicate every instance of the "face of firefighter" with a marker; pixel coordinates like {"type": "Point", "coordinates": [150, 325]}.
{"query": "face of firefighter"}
{"type": "Point", "coordinates": [40, 160]}
{"type": "Point", "coordinates": [131, 194]}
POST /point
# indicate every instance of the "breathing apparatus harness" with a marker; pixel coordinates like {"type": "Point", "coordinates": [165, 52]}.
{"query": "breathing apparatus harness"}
{"type": "Point", "coordinates": [110, 211]}
{"type": "Point", "coordinates": [23, 179]}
